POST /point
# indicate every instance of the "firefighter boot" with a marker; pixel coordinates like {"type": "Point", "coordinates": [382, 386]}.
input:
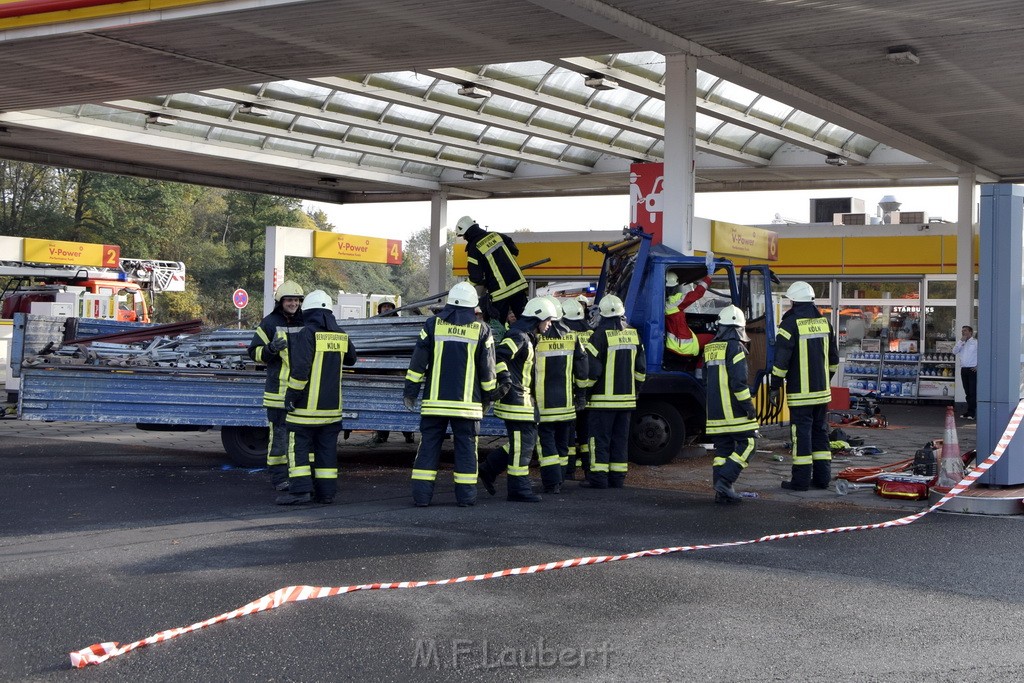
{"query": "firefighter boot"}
{"type": "Point", "coordinates": [520, 490]}
{"type": "Point", "coordinates": [800, 480]}
{"type": "Point", "coordinates": [595, 480]}
{"type": "Point", "coordinates": [727, 475]}
{"type": "Point", "coordinates": [821, 474]}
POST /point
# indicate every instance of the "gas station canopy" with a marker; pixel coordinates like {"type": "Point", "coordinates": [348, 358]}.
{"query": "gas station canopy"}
{"type": "Point", "coordinates": [356, 101]}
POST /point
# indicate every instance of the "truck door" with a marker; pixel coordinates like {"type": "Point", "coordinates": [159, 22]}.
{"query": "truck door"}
{"type": "Point", "coordinates": [757, 304]}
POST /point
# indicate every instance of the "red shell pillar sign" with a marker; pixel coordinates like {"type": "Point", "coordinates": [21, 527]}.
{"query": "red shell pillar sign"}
{"type": "Point", "coordinates": [334, 245]}
{"type": "Point", "coordinates": [646, 198]}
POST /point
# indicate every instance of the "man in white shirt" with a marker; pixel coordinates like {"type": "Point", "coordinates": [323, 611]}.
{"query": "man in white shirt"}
{"type": "Point", "coordinates": [967, 349]}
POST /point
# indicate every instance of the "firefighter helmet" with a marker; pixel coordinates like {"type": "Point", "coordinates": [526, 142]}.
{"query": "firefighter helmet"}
{"type": "Point", "coordinates": [288, 288]}
{"type": "Point", "coordinates": [732, 315]}
{"type": "Point", "coordinates": [671, 279]}
{"type": "Point", "coordinates": [318, 298]}
{"type": "Point", "coordinates": [539, 308]}
{"type": "Point", "coordinates": [572, 309]}
{"type": "Point", "coordinates": [463, 294]}
{"type": "Point", "coordinates": [800, 291]}
{"type": "Point", "coordinates": [464, 224]}
{"type": "Point", "coordinates": [611, 306]}
{"type": "Point", "coordinates": [557, 305]}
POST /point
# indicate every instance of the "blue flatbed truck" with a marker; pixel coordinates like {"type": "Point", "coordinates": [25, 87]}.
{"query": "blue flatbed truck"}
{"type": "Point", "coordinates": [671, 406]}
{"type": "Point", "coordinates": [670, 412]}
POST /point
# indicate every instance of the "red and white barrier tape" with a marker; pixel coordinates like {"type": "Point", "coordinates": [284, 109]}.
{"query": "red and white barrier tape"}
{"type": "Point", "coordinates": [101, 652]}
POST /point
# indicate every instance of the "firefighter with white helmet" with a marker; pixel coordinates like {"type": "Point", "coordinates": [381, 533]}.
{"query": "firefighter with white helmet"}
{"type": "Point", "coordinates": [617, 368]}
{"type": "Point", "coordinates": [806, 358]}
{"type": "Point", "coordinates": [561, 373]}
{"type": "Point", "coordinates": [314, 402]}
{"type": "Point", "coordinates": [516, 356]}
{"type": "Point", "coordinates": [574, 317]}
{"type": "Point", "coordinates": [269, 346]}
{"type": "Point", "coordinates": [457, 343]}
{"type": "Point", "coordinates": [731, 417]}
{"type": "Point", "coordinates": [492, 266]}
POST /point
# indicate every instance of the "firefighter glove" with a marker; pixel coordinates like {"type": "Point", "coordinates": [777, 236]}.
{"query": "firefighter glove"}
{"type": "Point", "coordinates": [291, 399]}
{"type": "Point", "coordinates": [775, 398]}
{"type": "Point", "coordinates": [751, 413]}
{"type": "Point", "coordinates": [410, 404]}
{"type": "Point", "coordinates": [500, 391]}
{"type": "Point", "coordinates": [580, 402]}
{"type": "Point", "coordinates": [278, 344]}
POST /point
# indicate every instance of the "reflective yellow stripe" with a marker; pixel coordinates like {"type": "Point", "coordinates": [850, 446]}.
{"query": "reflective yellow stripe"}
{"type": "Point", "coordinates": [424, 475]}
{"type": "Point", "coordinates": [464, 477]}
{"type": "Point", "coordinates": [304, 471]}
{"type": "Point", "coordinates": [618, 467]}
{"type": "Point", "coordinates": [548, 460]}
{"type": "Point", "coordinates": [325, 473]}
{"type": "Point", "coordinates": [413, 376]}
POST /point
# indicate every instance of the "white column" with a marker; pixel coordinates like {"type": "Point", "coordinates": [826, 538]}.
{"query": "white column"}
{"type": "Point", "coordinates": [281, 242]}
{"type": "Point", "coordinates": [966, 220]}
{"type": "Point", "coordinates": [438, 238]}
{"type": "Point", "coordinates": [680, 123]}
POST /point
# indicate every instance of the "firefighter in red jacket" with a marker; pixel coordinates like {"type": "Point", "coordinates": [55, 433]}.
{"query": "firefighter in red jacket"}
{"type": "Point", "coordinates": [679, 338]}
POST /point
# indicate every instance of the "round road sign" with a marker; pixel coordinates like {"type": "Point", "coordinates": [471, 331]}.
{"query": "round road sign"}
{"type": "Point", "coordinates": [240, 298]}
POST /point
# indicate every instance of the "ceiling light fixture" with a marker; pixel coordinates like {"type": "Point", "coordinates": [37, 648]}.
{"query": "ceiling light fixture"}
{"type": "Point", "coordinates": [474, 91]}
{"type": "Point", "coordinates": [902, 55]}
{"type": "Point", "coordinates": [836, 160]}
{"type": "Point", "coordinates": [160, 120]}
{"type": "Point", "coordinates": [253, 110]}
{"type": "Point", "coordinates": [473, 175]}
{"type": "Point", "coordinates": [600, 82]}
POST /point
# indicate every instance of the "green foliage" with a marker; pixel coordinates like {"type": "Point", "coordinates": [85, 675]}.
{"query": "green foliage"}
{"type": "Point", "coordinates": [219, 235]}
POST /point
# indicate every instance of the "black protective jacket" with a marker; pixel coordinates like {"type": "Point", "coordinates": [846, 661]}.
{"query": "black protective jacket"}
{"type": "Point", "coordinates": [725, 372]}
{"type": "Point", "coordinates": [491, 262]}
{"type": "Point", "coordinates": [317, 354]}
{"type": "Point", "coordinates": [516, 356]}
{"type": "Point", "coordinates": [806, 355]}
{"type": "Point", "coordinates": [617, 365]}
{"type": "Point", "coordinates": [276, 324]}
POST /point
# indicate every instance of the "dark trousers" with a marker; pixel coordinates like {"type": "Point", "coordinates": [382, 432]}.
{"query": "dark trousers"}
{"type": "Point", "coordinates": [554, 450]}
{"type": "Point", "coordinates": [514, 456]}
{"type": "Point", "coordinates": [515, 303]}
{"type": "Point", "coordinates": [811, 449]}
{"type": "Point", "coordinates": [969, 376]}
{"type": "Point", "coordinates": [609, 446]}
{"type": "Point", "coordinates": [579, 445]}
{"type": "Point", "coordinates": [279, 445]}
{"type": "Point", "coordinates": [321, 476]}
{"type": "Point", "coordinates": [424, 469]}
{"type": "Point", "coordinates": [732, 453]}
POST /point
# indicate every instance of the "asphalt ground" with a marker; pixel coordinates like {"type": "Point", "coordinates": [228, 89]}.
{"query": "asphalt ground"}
{"type": "Point", "coordinates": [112, 534]}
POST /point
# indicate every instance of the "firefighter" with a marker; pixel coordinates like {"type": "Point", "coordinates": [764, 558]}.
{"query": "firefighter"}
{"type": "Point", "coordinates": [561, 378]}
{"type": "Point", "coordinates": [313, 401]}
{"type": "Point", "coordinates": [806, 358]}
{"type": "Point", "coordinates": [454, 361]}
{"type": "Point", "coordinates": [491, 261]}
{"type": "Point", "coordinates": [269, 346]}
{"type": "Point", "coordinates": [515, 357]}
{"type": "Point", "coordinates": [679, 338]}
{"type": "Point", "coordinates": [617, 368]}
{"type": "Point", "coordinates": [731, 417]}
{"type": "Point", "coordinates": [574, 318]}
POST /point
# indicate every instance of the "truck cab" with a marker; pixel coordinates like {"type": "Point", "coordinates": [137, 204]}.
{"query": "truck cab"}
{"type": "Point", "coordinates": [671, 406]}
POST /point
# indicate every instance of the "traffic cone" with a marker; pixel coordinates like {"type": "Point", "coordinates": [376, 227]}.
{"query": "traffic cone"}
{"type": "Point", "coordinates": [951, 463]}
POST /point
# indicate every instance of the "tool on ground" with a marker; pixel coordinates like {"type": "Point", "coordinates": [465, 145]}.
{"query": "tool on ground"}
{"type": "Point", "coordinates": [844, 487]}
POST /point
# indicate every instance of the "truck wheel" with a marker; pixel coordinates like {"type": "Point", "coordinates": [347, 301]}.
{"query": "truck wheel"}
{"type": "Point", "coordinates": [245, 446]}
{"type": "Point", "coordinates": [657, 433]}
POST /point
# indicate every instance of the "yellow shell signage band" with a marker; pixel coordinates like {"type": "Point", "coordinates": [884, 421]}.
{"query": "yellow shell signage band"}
{"type": "Point", "coordinates": [334, 245]}
{"type": "Point", "coordinates": [743, 240]}
{"type": "Point", "coordinates": [22, 13]}
{"type": "Point", "coordinates": [71, 253]}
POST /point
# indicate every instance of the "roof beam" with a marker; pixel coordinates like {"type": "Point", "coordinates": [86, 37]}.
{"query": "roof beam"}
{"type": "Point", "coordinates": [310, 138]}
{"type": "Point", "coordinates": [477, 117]}
{"type": "Point", "coordinates": [645, 35]}
{"type": "Point", "coordinates": [394, 129]}
{"type": "Point", "coordinates": [571, 108]}
{"type": "Point", "coordinates": [105, 130]}
{"type": "Point", "coordinates": [644, 86]}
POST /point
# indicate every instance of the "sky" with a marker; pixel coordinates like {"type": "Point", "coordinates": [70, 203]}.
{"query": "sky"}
{"type": "Point", "coordinates": [400, 220]}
